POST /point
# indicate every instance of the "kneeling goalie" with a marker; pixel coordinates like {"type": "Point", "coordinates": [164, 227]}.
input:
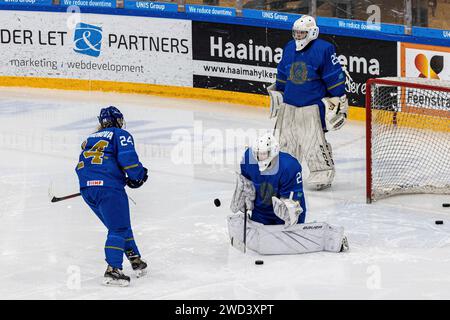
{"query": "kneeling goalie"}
{"type": "Point", "coordinates": [270, 189]}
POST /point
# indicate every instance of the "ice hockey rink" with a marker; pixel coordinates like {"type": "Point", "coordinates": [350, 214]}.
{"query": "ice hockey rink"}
{"type": "Point", "coordinates": [55, 250]}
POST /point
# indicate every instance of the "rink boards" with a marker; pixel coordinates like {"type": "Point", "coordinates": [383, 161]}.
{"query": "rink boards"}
{"type": "Point", "coordinates": [181, 57]}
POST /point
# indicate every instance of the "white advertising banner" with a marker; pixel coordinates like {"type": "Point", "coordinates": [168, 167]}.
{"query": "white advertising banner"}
{"type": "Point", "coordinates": [235, 71]}
{"type": "Point", "coordinates": [424, 61]}
{"type": "Point", "coordinates": [96, 47]}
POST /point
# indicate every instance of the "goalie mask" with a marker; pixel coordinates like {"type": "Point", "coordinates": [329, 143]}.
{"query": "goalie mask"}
{"type": "Point", "coordinates": [265, 149]}
{"type": "Point", "coordinates": [111, 117]}
{"type": "Point", "coordinates": [304, 31]}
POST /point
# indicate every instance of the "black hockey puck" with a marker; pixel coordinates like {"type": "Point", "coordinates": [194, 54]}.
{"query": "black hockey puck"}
{"type": "Point", "coordinates": [446, 205]}
{"type": "Point", "coordinates": [217, 202]}
{"type": "Point", "coordinates": [439, 222]}
{"type": "Point", "coordinates": [259, 262]}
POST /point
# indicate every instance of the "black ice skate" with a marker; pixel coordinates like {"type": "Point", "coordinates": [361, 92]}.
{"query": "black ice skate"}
{"type": "Point", "coordinates": [139, 266]}
{"type": "Point", "coordinates": [323, 186]}
{"type": "Point", "coordinates": [344, 246]}
{"type": "Point", "coordinates": [115, 277]}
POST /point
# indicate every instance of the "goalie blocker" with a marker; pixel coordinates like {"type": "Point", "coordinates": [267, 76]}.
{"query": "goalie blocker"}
{"type": "Point", "coordinates": [336, 109]}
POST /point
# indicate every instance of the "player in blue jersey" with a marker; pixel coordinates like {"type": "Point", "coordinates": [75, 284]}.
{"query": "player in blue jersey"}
{"type": "Point", "coordinates": [275, 176]}
{"type": "Point", "coordinates": [270, 189]}
{"type": "Point", "coordinates": [308, 99]}
{"type": "Point", "coordinates": [108, 162]}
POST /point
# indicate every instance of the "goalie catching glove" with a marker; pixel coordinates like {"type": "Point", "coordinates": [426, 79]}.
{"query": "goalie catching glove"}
{"type": "Point", "coordinates": [287, 210]}
{"type": "Point", "coordinates": [244, 195]}
{"type": "Point", "coordinates": [336, 109]}
{"type": "Point", "coordinates": [276, 99]}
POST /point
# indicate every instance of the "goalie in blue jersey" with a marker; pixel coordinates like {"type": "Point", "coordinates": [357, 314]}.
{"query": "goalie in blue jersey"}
{"type": "Point", "coordinates": [107, 163]}
{"type": "Point", "coordinates": [269, 196]}
{"type": "Point", "coordinates": [308, 99]}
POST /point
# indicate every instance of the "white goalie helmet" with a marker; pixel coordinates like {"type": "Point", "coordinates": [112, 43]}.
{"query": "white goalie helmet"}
{"type": "Point", "coordinates": [304, 31]}
{"type": "Point", "coordinates": [265, 149]}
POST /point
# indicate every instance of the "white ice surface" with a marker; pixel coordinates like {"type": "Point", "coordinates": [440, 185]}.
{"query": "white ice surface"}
{"type": "Point", "coordinates": [397, 251]}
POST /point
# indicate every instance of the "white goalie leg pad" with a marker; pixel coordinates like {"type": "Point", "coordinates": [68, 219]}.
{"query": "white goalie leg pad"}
{"type": "Point", "coordinates": [235, 231]}
{"type": "Point", "coordinates": [276, 239]}
{"type": "Point", "coordinates": [318, 155]}
{"type": "Point", "coordinates": [287, 131]}
{"type": "Point", "coordinates": [300, 133]}
{"type": "Point", "coordinates": [334, 237]}
{"type": "Point", "coordinates": [321, 166]}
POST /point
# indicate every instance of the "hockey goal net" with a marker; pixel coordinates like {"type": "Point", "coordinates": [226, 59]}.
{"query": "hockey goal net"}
{"type": "Point", "coordinates": [407, 136]}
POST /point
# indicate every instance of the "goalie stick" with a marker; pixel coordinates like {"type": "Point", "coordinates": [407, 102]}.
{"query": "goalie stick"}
{"type": "Point", "coordinates": [242, 245]}
{"type": "Point", "coordinates": [245, 229]}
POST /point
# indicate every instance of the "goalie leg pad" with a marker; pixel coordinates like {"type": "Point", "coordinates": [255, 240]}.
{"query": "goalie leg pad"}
{"type": "Point", "coordinates": [319, 158]}
{"type": "Point", "coordinates": [321, 165]}
{"type": "Point", "coordinates": [276, 239]}
{"type": "Point", "coordinates": [288, 131]}
{"type": "Point", "coordinates": [300, 133]}
{"type": "Point", "coordinates": [235, 228]}
{"type": "Point", "coordinates": [335, 239]}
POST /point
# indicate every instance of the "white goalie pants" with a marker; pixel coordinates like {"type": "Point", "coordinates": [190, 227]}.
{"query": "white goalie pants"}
{"type": "Point", "coordinates": [276, 239]}
{"type": "Point", "coordinates": [299, 132]}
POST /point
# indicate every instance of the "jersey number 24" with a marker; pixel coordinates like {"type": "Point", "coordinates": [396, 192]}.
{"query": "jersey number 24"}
{"type": "Point", "coordinates": [96, 152]}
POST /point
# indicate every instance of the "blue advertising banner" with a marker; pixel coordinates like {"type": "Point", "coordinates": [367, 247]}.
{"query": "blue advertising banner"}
{"type": "Point", "coordinates": [210, 10]}
{"type": "Point", "coordinates": [89, 3]}
{"type": "Point", "coordinates": [270, 15]}
{"type": "Point", "coordinates": [151, 5]}
{"type": "Point", "coordinates": [431, 33]}
{"type": "Point", "coordinates": [360, 25]}
{"type": "Point", "coordinates": [27, 2]}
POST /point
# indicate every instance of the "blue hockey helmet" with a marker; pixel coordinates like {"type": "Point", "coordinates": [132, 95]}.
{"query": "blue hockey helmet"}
{"type": "Point", "coordinates": [111, 117]}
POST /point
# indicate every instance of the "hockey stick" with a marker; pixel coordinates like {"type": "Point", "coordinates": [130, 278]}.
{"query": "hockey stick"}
{"type": "Point", "coordinates": [53, 198]}
{"type": "Point", "coordinates": [57, 199]}
{"type": "Point", "coordinates": [242, 245]}
{"type": "Point", "coordinates": [245, 227]}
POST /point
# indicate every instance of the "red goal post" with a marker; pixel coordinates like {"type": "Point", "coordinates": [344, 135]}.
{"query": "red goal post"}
{"type": "Point", "coordinates": [407, 137]}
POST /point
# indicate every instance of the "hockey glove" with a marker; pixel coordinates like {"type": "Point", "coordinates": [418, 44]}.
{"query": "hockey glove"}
{"type": "Point", "coordinates": [276, 100]}
{"type": "Point", "coordinates": [336, 109]}
{"type": "Point", "coordinates": [134, 184]}
{"type": "Point", "coordinates": [287, 210]}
